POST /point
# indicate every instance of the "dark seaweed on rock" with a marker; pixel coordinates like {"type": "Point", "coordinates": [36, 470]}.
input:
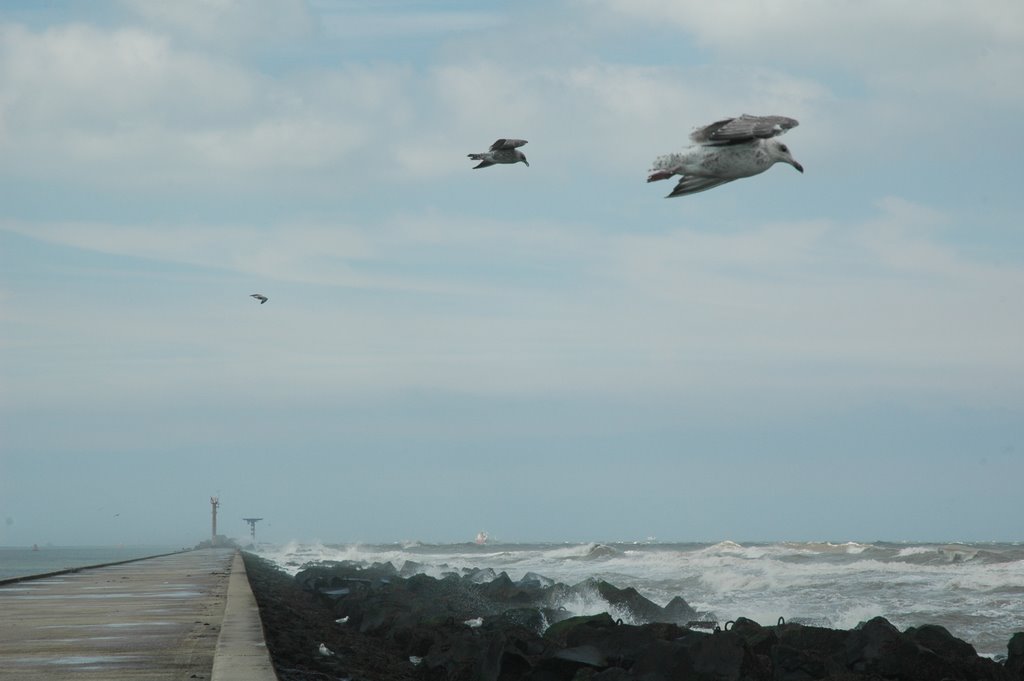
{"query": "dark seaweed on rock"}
{"type": "Point", "coordinates": [388, 624]}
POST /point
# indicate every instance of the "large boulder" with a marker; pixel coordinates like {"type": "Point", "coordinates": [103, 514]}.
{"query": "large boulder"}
{"type": "Point", "coordinates": [461, 656]}
{"type": "Point", "coordinates": [725, 656]}
{"type": "Point", "coordinates": [921, 654]}
{"type": "Point", "coordinates": [560, 631]}
{"type": "Point", "coordinates": [662, 661]}
{"type": "Point", "coordinates": [534, 619]}
{"type": "Point", "coordinates": [629, 600]}
{"type": "Point", "coordinates": [623, 645]}
{"type": "Point", "coordinates": [566, 662]}
{"type": "Point", "coordinates": [939, 641]}
{"type": "Point", "coordinates": [1015, 656]}
{"type": "Point", "coordinates": [677, 611]}
{"type": "Point", "coordinates": [760, 639]}
{"type": "Point", "coordinates": [1015, 646]}
{"type": "Point", "coordinates": [804, 652]}
{"type": "Point", "coordinates": [503, 589]}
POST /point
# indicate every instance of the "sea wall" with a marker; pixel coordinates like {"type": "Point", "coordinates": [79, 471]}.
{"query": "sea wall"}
{"type": "Point", "coordinates": [379, 622]}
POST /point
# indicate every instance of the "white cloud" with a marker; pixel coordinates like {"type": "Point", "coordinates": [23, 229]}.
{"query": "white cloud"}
{"type": "Point", "coordinates": [801, 310]}
{"type": "Point", "coordinates": [946, 48]}
{"type": "Point", "coordinates": [126, 107]}
{"type": "Point", "coordinates": [374, 21]}
{"type": "Point", "coordinates": [93, 78]}
{"type": "Point", "coordinates": [275, 145]}
{"type": "Point", "coordinates": [228, 23]}
{"type": "Point", "coordinates": [882, 293]}
{"type": "Point", "coordinates": [296, 252]}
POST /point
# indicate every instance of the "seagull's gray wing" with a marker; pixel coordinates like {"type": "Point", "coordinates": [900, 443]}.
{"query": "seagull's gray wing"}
{"type": "Point", "coordinates": [507, 143]}
{"type": "Point", "coordinates": [693, 184]}
{"type": "Point", "coordinates": [742, 129]}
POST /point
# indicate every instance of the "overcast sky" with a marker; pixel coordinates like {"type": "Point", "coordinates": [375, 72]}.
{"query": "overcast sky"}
{"type": "Point", "coordinates": [553, 352]}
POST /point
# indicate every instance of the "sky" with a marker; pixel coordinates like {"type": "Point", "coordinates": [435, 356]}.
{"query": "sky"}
{"type": "Point", "coordinates": [548, 353]}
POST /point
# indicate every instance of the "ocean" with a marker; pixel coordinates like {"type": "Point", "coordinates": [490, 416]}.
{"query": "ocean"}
{"type": "Point", "coordinates": [976, 591]}
{"type": "Point", "coordinates": [18, 561]}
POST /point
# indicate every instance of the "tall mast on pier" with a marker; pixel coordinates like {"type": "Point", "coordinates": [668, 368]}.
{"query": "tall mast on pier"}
{"type": "Point", "coordinates": [214, 503]}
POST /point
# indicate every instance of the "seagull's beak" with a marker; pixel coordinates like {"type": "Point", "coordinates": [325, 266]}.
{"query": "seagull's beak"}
{"type": "Point", "coordinates": [798, 166]}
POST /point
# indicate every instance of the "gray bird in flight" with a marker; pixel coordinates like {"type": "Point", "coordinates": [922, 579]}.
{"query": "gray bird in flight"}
{"type": "Point", "coordinates": [726, 150]}
{"type": "Point", "coordinates": [260, 297]}
{"type": "Point", "coordinates": [502, 151]}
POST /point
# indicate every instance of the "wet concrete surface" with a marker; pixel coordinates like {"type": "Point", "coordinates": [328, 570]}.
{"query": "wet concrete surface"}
{"type": "Point", "coordinates": [158, 618]}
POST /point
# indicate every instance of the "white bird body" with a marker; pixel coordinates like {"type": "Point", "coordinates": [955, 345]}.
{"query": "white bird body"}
{"type": "Point", "coordinates": [735, 161]}
{"type": "Point", "coordinates": [726, 150]}
{"type": "Point", "coordinates": [504, 150]}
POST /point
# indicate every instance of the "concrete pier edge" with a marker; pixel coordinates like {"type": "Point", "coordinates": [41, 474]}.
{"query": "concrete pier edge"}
{"type": "Point", "coordinates": [241, 653]}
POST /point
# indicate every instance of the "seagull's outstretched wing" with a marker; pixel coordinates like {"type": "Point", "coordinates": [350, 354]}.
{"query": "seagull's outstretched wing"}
{"type": "Point", "coordinates": [742, 129]}
{"type": "Point", "coordinates": [505, 143]}
{"type": "Point", "coordinates": [693, 184]}
{"type": "Point", "coordinates": [260, 297]}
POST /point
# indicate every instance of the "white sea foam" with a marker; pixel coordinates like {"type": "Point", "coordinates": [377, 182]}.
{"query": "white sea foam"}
{"type": "Point", "coordinates": [972, 590]}
{"type": "Point", "coordinates": [915, 551]}
{"type": "Point", "coordinates": [587, 601]}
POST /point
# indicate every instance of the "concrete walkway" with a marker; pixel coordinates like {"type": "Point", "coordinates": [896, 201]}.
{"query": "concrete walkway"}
{"type": "Point", "coordinates": [168, 617]}
{"type": "Point", "coordinates": [241, 653]}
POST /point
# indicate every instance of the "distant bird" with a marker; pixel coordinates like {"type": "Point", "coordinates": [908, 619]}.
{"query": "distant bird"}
{"type": "Point", "coordinates": [325, 651]}
{"type": "Point", "coordinates": [502, 151]}
{"type": "Point", "coordinates": [260, 297]}
{"type": "Point", "coordinates": [726, 150]}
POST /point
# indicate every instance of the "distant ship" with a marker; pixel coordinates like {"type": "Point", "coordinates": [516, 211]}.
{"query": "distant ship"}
{"type": "Point", "coordinates": [481, 537]}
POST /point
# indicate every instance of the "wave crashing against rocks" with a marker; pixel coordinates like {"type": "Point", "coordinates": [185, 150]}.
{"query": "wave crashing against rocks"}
{"type": "Point", "coordinates": [390, 624]}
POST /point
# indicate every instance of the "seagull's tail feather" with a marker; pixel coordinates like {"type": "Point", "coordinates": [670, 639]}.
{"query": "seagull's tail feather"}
{"type": "Point", "coordinates": [659, 175]}
{"type": "Point", "coordinates": [665, 167]}
{"type": "Point", "coordinates": [693, 184]}
{"type": "Point", "coordinates": [485, 160]}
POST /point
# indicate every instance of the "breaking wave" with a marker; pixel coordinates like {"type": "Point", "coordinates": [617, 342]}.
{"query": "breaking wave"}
{"type": "Point", "coordinates": [971, 589]}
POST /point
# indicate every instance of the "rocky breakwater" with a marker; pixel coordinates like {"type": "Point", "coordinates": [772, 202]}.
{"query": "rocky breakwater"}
{"type": "Point", "coordinates": [379, 623]}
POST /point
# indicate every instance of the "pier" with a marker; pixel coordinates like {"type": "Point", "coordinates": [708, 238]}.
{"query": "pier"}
{"type": "Point", "coordinates": [188, 615]}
